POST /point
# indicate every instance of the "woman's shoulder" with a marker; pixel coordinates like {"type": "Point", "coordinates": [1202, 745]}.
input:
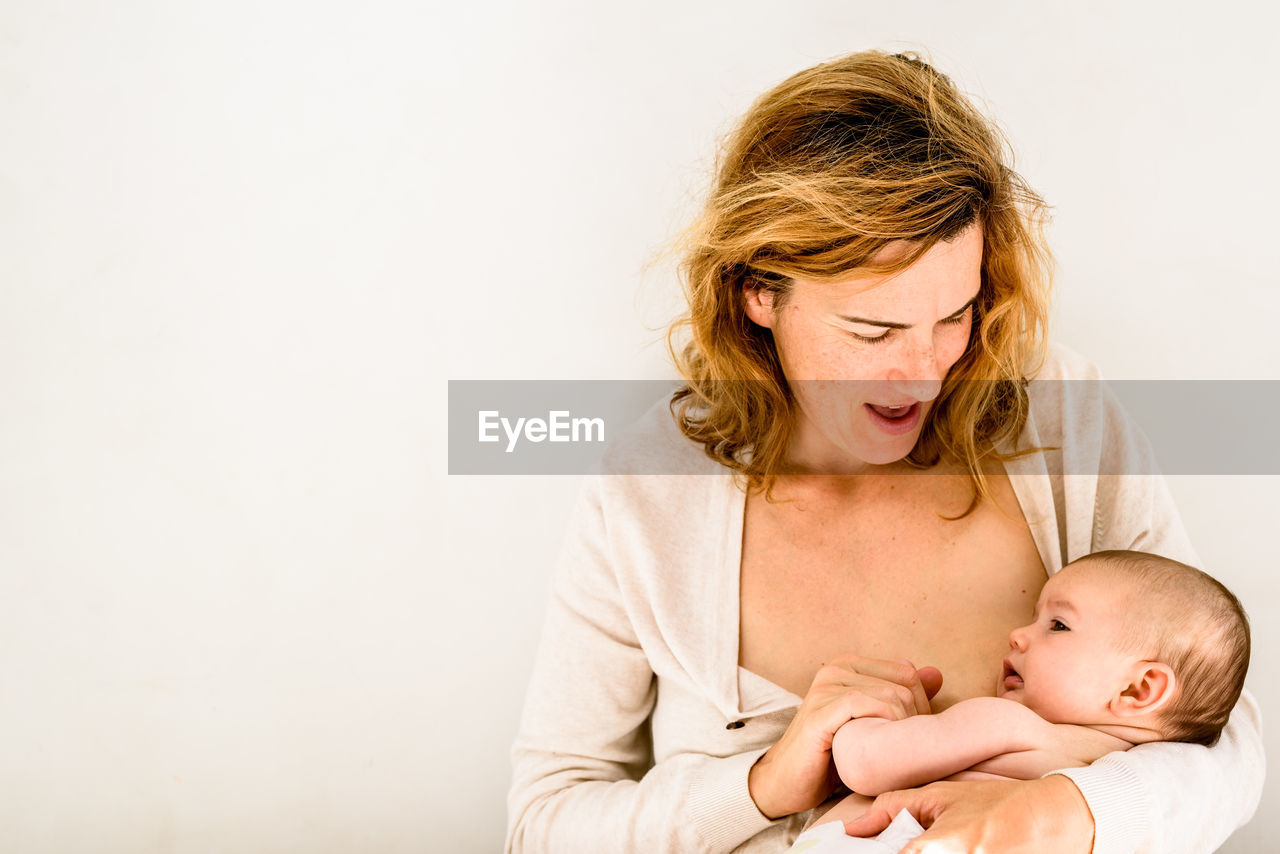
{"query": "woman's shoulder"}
{"type": "Point", "coordinates": [654, 444]}
{"type": "Point", "coordinates": [1063, 363]}
{"type": "Point", "coordinates": [661, 504]}
{"type": "Point", "coordinates": [1075, 416]}
{"type": "Point", "coordinates": [654, 477]}
{"type": "Point", "coordinates": [1072, 406]}
{"type": "Point", "coordinates": [1066, 393]}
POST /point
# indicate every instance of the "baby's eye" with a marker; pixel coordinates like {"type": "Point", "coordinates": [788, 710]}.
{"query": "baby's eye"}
{"type": "Point", "coordinates": [1058, 626]}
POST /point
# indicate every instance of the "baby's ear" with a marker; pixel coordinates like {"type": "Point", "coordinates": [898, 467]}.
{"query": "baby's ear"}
{"type": "Point", "coordinates": [1152, 687]}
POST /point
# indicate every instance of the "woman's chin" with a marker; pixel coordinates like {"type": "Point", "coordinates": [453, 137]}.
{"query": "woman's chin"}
{"type": "Point", "coordinates": [881, 447]}
{"type": "Point", "coordinates": [886, 451]}
{"type": "Point", "coordinates": [853, 453]}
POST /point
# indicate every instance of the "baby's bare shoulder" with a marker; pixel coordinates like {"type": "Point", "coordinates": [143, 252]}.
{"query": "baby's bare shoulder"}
{"type": "Point", "coordinates": [992, 706]}
{"type": "Point", "coordinates": [1032, 732]}
{"type": "Point", "coordinates": [1048, 747]}
{"type": "Point", "coordinates": [1082, 743]}
{"type": "Point", "coordinates": [997, 711]}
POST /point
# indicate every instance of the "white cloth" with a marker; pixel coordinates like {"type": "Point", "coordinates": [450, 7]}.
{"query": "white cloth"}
{"type": "Point", "coordinates": [830, 838]}
{"type": "Point", "coordinates": [623, 744]}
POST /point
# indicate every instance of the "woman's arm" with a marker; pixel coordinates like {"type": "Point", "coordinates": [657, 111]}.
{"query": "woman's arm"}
{"type": "Point", "coordinates": [582, 779]}
{"type": "Point", "coordinates": [1164, 797]}
{"type": "Point", "coordinates": [1157, 797]}
{"type": "Point", "coordinates": [1047, 816]}
{"type": "Point", "coordinates": [1176, 798]}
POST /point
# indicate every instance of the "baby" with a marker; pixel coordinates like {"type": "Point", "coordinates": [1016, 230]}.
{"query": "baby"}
{"type": "Point", "coordinates": [1123, 648]}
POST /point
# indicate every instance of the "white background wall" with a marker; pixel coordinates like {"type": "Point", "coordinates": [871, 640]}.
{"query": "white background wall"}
{"type": "Point", "coordinates": [243, 246]}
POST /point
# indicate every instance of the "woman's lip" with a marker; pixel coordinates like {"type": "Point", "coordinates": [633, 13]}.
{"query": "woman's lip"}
{"type": "Point", "coordinates": [904, 423]}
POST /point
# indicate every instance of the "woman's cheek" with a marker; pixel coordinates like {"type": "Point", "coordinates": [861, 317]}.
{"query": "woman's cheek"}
{"type": "Point", "coordinates": [954, 342]}
{"type": "Point", "coordinates": [849, 362]}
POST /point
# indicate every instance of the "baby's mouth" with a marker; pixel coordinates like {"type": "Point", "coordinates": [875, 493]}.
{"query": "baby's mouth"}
{"type": "Point", "coordinates": [1010, 679]}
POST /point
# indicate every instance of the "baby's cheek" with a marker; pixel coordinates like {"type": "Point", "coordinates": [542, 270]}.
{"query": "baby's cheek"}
{"type": "Point", "coordinates": [1049, 705]}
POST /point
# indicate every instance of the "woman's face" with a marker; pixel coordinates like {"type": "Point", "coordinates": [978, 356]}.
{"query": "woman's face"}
{"type": "Point", "coordinates": [865, 357]}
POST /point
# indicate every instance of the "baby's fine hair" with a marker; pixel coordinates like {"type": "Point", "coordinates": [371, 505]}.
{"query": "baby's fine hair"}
{"type": "Point", "coordinates": [1188, 620]}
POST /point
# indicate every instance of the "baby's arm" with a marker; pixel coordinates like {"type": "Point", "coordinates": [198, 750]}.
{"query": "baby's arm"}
{"type": "Point", "coordinates": [874, 755]}
{"type": "Point", "coordinates": [1062, 746]}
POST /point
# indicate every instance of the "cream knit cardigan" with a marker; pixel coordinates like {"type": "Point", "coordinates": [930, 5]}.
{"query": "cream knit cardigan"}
{"type": "Point", "coordinates": [629, 740]}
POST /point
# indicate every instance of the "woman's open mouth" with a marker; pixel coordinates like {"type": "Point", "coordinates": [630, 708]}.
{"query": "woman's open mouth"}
{"type": "Point", "coordinates": [895, 420]}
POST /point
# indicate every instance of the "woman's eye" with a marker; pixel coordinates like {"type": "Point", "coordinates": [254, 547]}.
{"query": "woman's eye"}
{"type": "Point", "coordinates": [888, 333]}
{"type": "Point", "coordinates": [872, 339]}
{"type": "Point", "coordinates": [1058, 626]}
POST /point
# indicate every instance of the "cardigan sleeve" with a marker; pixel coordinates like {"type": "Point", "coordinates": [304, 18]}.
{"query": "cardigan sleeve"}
{"type": "Point", "coordinates": [583, 778]}
{"type": "Point", "coordinates": [1160, 797]}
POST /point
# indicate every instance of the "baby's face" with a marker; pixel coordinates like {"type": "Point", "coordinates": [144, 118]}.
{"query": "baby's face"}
{"type": "Point", "coordinates": [1066, 664]}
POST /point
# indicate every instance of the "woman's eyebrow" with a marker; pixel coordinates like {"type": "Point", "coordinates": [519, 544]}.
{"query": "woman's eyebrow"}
{"type": "Point", "coordinates": [890, 324]}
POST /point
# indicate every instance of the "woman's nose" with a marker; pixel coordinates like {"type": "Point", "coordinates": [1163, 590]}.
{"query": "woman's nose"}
{"type": "Point", "coordinates": [918, 375]}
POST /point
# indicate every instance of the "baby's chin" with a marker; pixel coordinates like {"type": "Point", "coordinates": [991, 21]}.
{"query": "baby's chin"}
{"type": "Point", "coordinates": [1011, 687]}
{"type": "Point", "coordinates": [1014, 694]}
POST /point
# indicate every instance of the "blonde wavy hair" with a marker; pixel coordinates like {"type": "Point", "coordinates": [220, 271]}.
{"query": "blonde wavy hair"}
{"type": "Point", "coordinates": [823, 172]}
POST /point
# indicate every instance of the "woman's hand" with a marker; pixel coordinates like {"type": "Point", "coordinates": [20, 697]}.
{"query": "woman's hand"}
{"type": "Point", "coordinates": [796, 774]}
{"type": "Point", "coordinates": [1046, 816]}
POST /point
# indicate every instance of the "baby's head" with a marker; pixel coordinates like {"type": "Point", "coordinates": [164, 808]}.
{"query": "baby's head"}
{"type": "Point", "coordinates": [1131, 639]}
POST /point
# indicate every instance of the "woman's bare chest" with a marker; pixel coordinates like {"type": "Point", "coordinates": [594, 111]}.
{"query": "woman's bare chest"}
{"type": "Point", "coordinates": [877, 573]}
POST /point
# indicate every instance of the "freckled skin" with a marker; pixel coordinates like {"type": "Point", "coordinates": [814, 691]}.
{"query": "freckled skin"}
{"type": "Point", "coordinates": [864, 565]}
{"type": "Point", "coordinates": [835, 371]}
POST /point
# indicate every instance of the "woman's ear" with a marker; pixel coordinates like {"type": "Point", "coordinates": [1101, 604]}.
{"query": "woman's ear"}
{"type": "Point", "coordinates": [758, 304]}
{"type": "Point", "coordinates": [1152, 687]}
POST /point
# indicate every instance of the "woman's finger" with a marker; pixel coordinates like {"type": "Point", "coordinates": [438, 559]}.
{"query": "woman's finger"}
{"type": "Point", "coordinates": [922, 803]}
{"type": "Point", "coordinates": [921, 845]}
{"type": "Point", "coordinates": [844, 692]}
{"type": "Point", "coordinates": [900, 670]}
{"type": "Point", "coordinates": [846, 669]}
{"type": "Point", "coordinates": [1048, 815]}
{"type": "Point", "coordinates": [796, 773]}
{"type": "Point", "coordinates": [919, 695]}
{"type": "Point", "coordinates": [860, 705]}
{"type": "Point", "coordinates": [872, 822]}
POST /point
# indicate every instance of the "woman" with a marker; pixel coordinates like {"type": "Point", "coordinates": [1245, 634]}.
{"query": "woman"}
{"type": "Point", "coordinates": [867, 293]}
